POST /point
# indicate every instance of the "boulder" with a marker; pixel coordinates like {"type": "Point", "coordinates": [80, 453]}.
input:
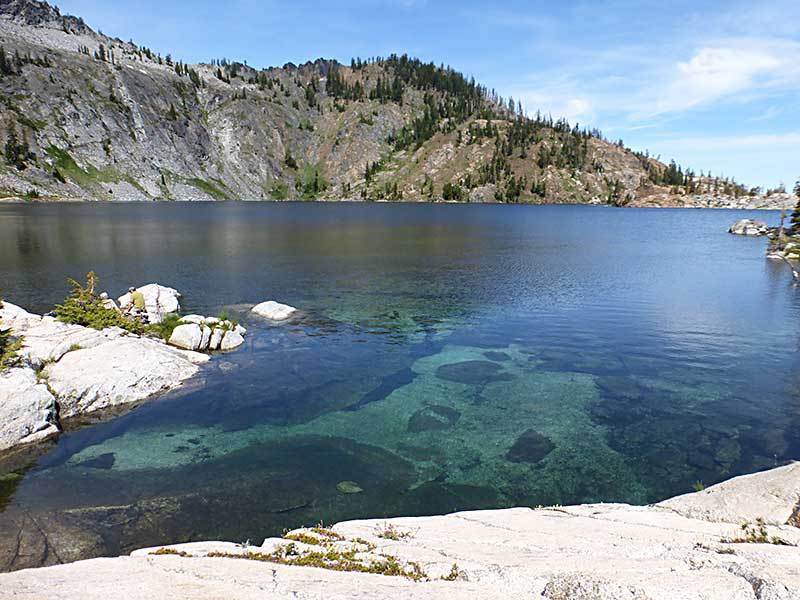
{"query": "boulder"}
{"type": "Point", "coordinates": [159, 300]}
{"type": "Point", "coordinates": [206, 337]}
{"type": "Point", "coordinates": [230, 341]}
{"type": "Point", "coordinates": [27, 408]}
{"type": "Point", "coordinates": [188, 337]}
{"type": "Point", "coordinates": [274, 311]}
{"type": "Point", "coordinates": [216, 339]}
{"type": "Point", "coordinates": [196, 319]}
{"type": "Point", "coordinates": [121, 371]}
{"type": "Point", "coordinates": [749, 227]}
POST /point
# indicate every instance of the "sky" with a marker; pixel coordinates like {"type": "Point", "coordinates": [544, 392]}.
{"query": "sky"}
{"type": "Point", "coordinates": [713, 84]}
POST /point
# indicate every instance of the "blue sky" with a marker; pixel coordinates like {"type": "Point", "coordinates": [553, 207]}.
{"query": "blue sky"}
{"type": "Point", "coordinates": [713, 84]}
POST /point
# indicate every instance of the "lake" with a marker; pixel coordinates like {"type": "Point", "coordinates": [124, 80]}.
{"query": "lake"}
{"type": "Point", "coordinates": [448, 357]}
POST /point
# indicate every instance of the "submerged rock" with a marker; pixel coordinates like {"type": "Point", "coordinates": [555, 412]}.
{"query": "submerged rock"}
{"type": "Point", "coordinates": [433, 418]}
{"type": "Point", "coordinates": [159, 301]}
{"type": "Point", "coordinates": [497, 356]}
{"type": "Point", "coordinates": [530, 447]}
{"type": "Point", "coordinates": [749, 227]}
{"type": "Point", "coordinates": [27, 408]}
{"type": "Point", "coordinates": [473, 372]}
{"type": "Point", "coordinates": [274, 311]}
{"type": "Point", "coordinates": [349, 487]}
{"type": "Point", "coordinates": [104, 461]}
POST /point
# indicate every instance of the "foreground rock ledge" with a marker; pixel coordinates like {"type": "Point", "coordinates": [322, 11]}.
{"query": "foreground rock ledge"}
{"type": "Point", "coordinates": [673, 550]}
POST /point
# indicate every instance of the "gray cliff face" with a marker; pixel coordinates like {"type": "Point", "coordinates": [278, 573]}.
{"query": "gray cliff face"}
{"type": "Point", "coordinates": [96, 118]}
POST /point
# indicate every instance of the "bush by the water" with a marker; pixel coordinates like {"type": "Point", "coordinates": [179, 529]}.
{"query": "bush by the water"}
{"type": "Point", "coordinates": [85, 307]}
{"type": "Point", "coordinates": [8, 346]}
{"type": "Point", "coordinates": [166, 327]}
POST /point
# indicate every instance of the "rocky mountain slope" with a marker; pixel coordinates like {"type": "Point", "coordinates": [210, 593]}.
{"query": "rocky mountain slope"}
{"type": "Point", "coordinates": [85, 116]}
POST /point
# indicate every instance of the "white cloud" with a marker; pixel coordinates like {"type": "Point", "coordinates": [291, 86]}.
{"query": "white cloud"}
{"type": "Point", "coordinates": [713, 73]}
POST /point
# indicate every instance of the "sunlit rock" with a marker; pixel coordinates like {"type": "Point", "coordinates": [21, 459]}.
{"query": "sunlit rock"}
{"type": "Point", "coordinates": [274, 311]}
{"type": "Point", "coordinates": [27, 408]}
{"type": "Point", "coordinates": [159, 301]}
{"type": "Point", "coordinates": [749, 227]}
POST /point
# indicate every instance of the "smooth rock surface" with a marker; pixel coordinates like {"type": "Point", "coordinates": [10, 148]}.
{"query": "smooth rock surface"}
{"type": "Point", "coordinates": [216, 339]}
{"type": "Point", "coordinates": [16, 318]}
{"type": "Point", "coordinates": [588, 552]}
{"type": "Point", "coordinates": [121, 371]}
{"type": "Point", "coordinates": [27, 408]}
{"type": "Point", "coordinates": [749, 227]}
{"type": "Point", "coordinates": [49, 340]}
{"type": "Point", "coordinates": [274, 311]}
{"type": "Point", "coordinates": [159, 301]}
{"type": "Point", "coordinates": [188, 337]}
{"type": "Point", "coordinates": [230, 341]}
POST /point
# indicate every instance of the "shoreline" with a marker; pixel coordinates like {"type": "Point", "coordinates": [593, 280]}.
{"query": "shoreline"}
{"type": "Point", "coordinates": [707, 544]}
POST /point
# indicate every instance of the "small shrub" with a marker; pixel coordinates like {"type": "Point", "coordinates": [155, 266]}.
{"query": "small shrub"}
{"type": "Point", "coordinates": [455, 574]}
{"type": "Point", "coordinates": [756, 533]}
{"type": "Point", "coordinates": [698, 486]}
{"type": "Point", "coordinates": [166, 327]}
{"type": "Point", "coordinates": [84, 307]}
{"type": "Point", "coordinates": [392, 532]}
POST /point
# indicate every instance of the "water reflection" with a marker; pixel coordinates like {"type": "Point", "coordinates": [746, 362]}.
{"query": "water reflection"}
{"type": "Point", "coordinates": [448, 358]}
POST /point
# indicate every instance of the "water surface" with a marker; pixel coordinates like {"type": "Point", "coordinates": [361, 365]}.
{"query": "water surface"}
{"type": "Point", "coordinates": [448, 358]}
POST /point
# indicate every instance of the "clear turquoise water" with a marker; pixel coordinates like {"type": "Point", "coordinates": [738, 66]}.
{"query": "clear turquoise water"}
{"type": "Point", "coordinates": [448, 358]}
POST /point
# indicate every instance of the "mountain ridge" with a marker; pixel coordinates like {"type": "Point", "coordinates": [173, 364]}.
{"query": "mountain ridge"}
{"type": "Point", "coordinates": [95, 118]}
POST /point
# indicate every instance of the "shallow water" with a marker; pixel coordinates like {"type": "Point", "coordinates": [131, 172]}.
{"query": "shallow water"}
{"type": "Point", "coordinates": [448, 358]}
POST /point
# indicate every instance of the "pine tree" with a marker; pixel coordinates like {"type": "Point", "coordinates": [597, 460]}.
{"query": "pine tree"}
{"type": "Point", "coordinates": [173, 115]}
{"type": "Point", "coordinates": [795, 220]}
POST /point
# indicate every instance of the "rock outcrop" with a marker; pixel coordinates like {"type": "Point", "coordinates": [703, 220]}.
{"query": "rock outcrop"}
{"type": "Point", "coordinates": [207, 334]}
{"type": "Point", "coordinates": [27, 408]}
{"type": "Point", "coordinates": [123, 371]}
{"type": "Point", "coordinates": [69, 370]}
{"type": "Point", "coordinates": [693, 546]}
{"type": "Point", "coordinates": [159, 300]}
{"type": "Point", "coordinates": [274, 311]}
{"type": "Point", "coordinates": [749, 227]}
{"type": "Point", "coordinates": [223, 132]}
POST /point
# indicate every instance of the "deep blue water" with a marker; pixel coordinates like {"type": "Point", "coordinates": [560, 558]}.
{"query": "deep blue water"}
{"type": "Point", "coordinates": [449, 357]}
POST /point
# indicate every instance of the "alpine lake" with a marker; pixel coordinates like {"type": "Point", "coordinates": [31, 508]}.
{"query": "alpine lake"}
{"type": "Point", "coordinates": [446, 358]}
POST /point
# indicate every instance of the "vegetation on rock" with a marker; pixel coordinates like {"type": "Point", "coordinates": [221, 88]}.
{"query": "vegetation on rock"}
{"type": "Point", "coordinates": [84, 307]}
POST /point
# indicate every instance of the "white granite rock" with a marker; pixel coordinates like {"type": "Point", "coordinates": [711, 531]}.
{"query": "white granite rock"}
{"type": "Point", "coordinates": [749, 227]}
{"type": "Point", "coordinates": [205, 338]}
{"type": "Point", "coordinates": [15, 318]}
{"type": "Point", "coordinates": [27, 408]}
{"type": "Point", "coordinates": [49, 340]}
{"type": "Point", "coordinates": [159, 300]}
{"type": "Point", "coordinates": [216, 339]}
{"type": "Point", "coordinates": [274, 311]}
{"type": "Point", "coordinates": [587, 552]}
{"type": "Point", "coordinates": [196, 319]}
{"type": "Point", "coordinates": [188, 337]}
{"type": "Point", "coordinates": [121, 371]}
{"type": "Point", "coordinates": [230, 341]}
